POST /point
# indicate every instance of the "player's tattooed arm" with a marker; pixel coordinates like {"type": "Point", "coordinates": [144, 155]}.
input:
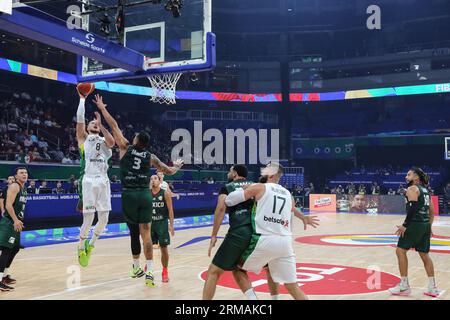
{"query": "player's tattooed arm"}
{"type": "Point", "coordinates": [13, 190]}
{"type": "Point", "coordinates": [109, 139]}
{"type": "Point", "coordinates": [159, 165]}
{"type": "Point", "coordinates": [121, 141]}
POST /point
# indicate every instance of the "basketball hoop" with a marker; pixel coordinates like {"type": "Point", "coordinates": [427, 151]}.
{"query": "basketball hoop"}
{"type": "Point", "coordinates": [164, 86]}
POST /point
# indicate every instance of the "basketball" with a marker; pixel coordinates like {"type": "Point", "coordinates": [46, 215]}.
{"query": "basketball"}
{"type": "Point", "coordinates": [85, 88]}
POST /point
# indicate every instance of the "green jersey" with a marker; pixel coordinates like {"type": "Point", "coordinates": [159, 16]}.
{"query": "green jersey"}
{"type": "Point", "coordinates": [160, 211]}
{"type": "Point", "coordinates": [424, 206]}
{"type": "Point", "coordinates": [135, 169]}
{"type": "Point", "coordinates": [240, 214]}
{"type": "Point", "coordinates": [18, 204]}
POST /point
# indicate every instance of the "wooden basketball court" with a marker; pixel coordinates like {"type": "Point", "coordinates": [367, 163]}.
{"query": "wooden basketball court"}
{"type": "Point", "coordinates": [45, 272]}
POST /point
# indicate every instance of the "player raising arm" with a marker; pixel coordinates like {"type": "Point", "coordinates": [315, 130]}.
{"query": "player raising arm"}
{"type": "Point", "coordinates": [94, 185]}
{"type": "Point", "coordinates": [135, 163]}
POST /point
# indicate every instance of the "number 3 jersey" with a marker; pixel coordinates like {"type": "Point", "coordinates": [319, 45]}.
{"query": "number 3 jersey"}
{"type": "Point", "coordinates": [95, 156]}
{"type": "Point", "coordinates": [135, 168]}
{"type": "Point", "coordinates": [273, 212]}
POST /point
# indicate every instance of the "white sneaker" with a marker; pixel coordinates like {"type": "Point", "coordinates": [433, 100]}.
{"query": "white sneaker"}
{"type": "Point", "coordinates": [432, 292]}
{"type": "Point", "coordinates": [400, 290]}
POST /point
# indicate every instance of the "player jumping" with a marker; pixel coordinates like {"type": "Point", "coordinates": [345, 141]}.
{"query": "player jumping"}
{"type": "Point", "coordinates": [94, 186]}
{"type": "Point", "coordinates": [135, 163]}
{"type": "Point", "coordinates": [416, 232]}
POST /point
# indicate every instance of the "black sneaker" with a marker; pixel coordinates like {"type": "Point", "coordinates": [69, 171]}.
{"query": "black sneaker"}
{"type": "Point", "coordinates": [8, 280]}
{"type": "Point", "coordinates": [5, 287]}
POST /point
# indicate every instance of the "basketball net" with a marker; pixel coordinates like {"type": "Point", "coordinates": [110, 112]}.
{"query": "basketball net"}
{"type": "Point", "coordinates": [164, 87]}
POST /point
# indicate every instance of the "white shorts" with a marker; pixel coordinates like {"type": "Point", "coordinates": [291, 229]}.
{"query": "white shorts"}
{"type": "Point", "coordinates": [96, 193]}
{"type": "Point", "coordinates": [275, 251]}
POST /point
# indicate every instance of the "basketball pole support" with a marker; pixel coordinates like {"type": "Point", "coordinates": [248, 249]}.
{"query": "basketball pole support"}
{"type": "Point", "coordinates": [37, 25]}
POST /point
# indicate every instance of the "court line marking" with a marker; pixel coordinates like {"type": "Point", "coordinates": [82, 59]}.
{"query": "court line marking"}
{"type": "Point", "coordinates": [90, 286]}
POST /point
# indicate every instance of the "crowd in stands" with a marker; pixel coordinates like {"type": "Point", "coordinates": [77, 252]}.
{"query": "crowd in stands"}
{"type": "Point", "coordinates": [33, 130]}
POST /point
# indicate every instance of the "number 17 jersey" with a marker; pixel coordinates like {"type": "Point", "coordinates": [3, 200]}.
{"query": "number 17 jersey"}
{"type": "Point", "coordinates": [273, 212]}
{"type": "Point", "coordinates": [135, 168]}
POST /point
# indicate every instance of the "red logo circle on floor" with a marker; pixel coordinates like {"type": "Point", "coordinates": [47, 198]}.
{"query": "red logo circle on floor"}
{"type": "Point", "coordinates": [322, 279]}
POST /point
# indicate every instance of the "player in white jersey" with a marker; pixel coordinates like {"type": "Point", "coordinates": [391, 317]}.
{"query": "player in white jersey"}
{"type": "Point", "coordinates": [271, 244]}
{"type": "Point", "coordinates": [165, 186]}
{"type": "Point", "coordinates": [94, 186]}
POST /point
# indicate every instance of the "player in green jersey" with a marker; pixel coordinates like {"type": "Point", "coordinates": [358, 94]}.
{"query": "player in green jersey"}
{"type": "Point", "coordinates": [162, 225]}
{"type": "Point", "coordinates": [416, 232]}
{"type": "Point", "coordinates": [11, 225]}
{"type": "Point", "coordinates": [237, 239]}
{"type": "Point", "coordinates": [135, 163]}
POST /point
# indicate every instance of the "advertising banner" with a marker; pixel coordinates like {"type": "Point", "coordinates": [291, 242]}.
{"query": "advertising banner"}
{"type": "Point", "coordinates": [322, 202]}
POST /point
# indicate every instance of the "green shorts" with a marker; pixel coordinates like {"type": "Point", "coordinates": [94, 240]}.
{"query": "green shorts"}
{"type": "Point", "coordinates": [137, 206]}
{"type": "Point", "coordinates": [160, 232]}
{"type": "Point", "coordinates": [233, 246]}
{"type": "Point", "coordinates": [9, 238]}
{"type": "Point", "coordinates": [417, 236]}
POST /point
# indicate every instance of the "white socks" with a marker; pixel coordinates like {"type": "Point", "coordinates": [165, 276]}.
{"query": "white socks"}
{"type": "Point", "coordinates": [431, 282]}
{"type": "Point", "coordinates": [275, 297]}
{"type": "Point", "coordinates": [251, 294]}
{"type": "Point", "coordinates": [149, 265]}
{"type": "Point", "coordinates": [136, 263]}
{"type": "Point", "coordinates": [404, 282]}
{"type": "Point", "coordinates": [1, 276]}
{"type": "Point", "coordinates": [81, 244]}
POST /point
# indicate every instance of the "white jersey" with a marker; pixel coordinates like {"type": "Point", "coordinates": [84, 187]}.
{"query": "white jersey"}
{"type": "Point", "coordinates": [95, 156]}
{"type": "Point", "coordinates": [165, 186]}
{"type": "Point", "coordinates": [274, 211]}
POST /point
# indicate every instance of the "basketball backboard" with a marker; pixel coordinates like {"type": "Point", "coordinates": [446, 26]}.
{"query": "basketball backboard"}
{"type": "Point", "coordinates": [169, 44]}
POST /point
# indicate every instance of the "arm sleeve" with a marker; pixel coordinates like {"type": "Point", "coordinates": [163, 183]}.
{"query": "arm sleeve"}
{"type": "Point", "coordinates": [235, 197]}
{"type": "Point", "coordinates": [81, 111]}
{"type": "Point", "coordinates": [412, 208]}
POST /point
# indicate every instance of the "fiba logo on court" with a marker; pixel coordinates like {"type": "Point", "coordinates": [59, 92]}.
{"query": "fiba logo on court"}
{"type": "Point", "coordinates": [235, 146]}
{"type": "Point", "coordinates": [323, 280]}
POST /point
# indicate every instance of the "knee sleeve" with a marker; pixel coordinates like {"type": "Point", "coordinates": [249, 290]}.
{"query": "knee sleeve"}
{"type": "Point", "coordinates": [12, 255]}
{"type": "Point", "coordinates": [88, 219]}
{"type": "Point", "coordinates": [135, 239]}
{"type": "Point", "coordinates": [4, 257]}
{"type": "Point", "coordinates": [103, 217]}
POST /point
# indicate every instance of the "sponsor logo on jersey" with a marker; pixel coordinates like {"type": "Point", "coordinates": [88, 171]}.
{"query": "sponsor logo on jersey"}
{"type": "Point", "coordinates": [284, 223]}
{"type": "Point", "coordinates": [160, 198]}
{"type": "Point", "coordinates": [160, 217]}
{"type": "Point", "coordinates": [12, 240]}
{"type": "Point", "coordinates": [97, 160]}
